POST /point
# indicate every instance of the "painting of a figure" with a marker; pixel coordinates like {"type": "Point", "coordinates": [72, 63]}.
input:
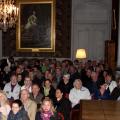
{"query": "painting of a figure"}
{"type": "Point", "coordinates": [36, 26]}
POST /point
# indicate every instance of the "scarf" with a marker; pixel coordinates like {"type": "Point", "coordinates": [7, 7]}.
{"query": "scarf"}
{"type": "Point", "coordinates": [12, 87]}
{"type": "Point", "coordinates": [46, 115]}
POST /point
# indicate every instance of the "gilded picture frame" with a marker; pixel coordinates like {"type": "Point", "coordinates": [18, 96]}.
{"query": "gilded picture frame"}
{"type": "Point", "coordinates": [36, 26]}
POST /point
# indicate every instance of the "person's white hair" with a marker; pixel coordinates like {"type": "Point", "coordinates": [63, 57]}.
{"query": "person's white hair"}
{"type": "Point", "coordinates": [27, 91]}
{"type": "Point", "coordinates": [67, 75]}
{"type": "Point", "coordinates": [75, 82]}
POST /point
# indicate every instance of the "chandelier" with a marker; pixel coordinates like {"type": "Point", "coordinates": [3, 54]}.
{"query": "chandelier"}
{"type": "Point", "coordinates": [8, 14]}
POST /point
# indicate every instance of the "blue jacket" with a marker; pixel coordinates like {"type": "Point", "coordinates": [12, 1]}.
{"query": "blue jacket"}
{"type": "Point", "coordinates": [105, 96]}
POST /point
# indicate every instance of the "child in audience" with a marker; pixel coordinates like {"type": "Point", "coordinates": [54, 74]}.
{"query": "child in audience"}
{"type": "Point", "coordinates": [18, 112]}
{"type": "Point", "coordinates": [47, 111]}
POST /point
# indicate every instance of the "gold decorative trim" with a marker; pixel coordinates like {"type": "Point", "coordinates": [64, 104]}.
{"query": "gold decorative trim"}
{"type": "Point", "coordinates": [52, 32]}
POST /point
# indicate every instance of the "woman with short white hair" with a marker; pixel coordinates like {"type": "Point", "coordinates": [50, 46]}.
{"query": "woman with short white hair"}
{"type": "Point", "coordinates": [78, 93]}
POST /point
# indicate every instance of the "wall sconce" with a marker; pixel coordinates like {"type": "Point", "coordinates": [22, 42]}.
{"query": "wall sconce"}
{"type": "Point", "coordinates": [81, 54]}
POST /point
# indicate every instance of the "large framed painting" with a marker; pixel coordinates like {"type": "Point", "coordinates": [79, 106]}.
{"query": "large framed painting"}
{"type": "Point", "coordinates": [36, 26]}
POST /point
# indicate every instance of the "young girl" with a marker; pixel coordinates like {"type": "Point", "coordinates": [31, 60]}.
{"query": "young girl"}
{"type": "Point", "coordinates": [18, 112]}
{"type": "Point", "coordinates": [47, 111]}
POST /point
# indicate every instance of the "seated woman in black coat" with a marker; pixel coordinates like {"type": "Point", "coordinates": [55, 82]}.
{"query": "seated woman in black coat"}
{"type": "Point", "coordinates": [47, 111]}
{"type": "Point", "coordinates": [62, 104]}
{"type": "Point", "coordinates": [18, 112]}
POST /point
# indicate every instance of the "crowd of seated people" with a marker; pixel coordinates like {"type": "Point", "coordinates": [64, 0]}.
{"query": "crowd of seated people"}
{"type": "Point", "coordinates": [48, 89]}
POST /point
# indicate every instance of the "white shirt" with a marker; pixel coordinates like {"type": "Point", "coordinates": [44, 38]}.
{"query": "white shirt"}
{"type": "Point", "coordinates": [118, 99]}
{"type": "Point", "coordinates": [76, 95]}
{"type": "Point", "coordinates": [112, 85]}
{"type": "Point", "coordinates": [15, 93]}
{"type": "Point", "coordinates": [29, 89]}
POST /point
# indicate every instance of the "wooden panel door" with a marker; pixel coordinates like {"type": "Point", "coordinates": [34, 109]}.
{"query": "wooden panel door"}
{"type": "Point", "coordinates": [110, 53]}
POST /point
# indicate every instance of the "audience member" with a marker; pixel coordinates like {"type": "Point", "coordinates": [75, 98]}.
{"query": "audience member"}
{"type": "Point", "coordinates": [48, 90]}
{"type": "Point", "coordinates": [58, 75]}
{"type": "Point", "coordinates": [94, 83]}
{"type": "Point", "coordinates": [12, 89]}
{"type": "Point", "coordinates": [27, 84]}
{"type": "Point", "coordinates": [116, 91]}
{"type": "Point", "coordinates": [18, 112]}
{"type": "Point", "coordinates": [48, 75]}
{"type": "Point", "coordinates": [65, 85]}
{"type": "Point", "coordinates": [64, 68]}
{"type": "Point", "coordinates": [45, 65]}
{"type": "Point", "coordinates": [36, 94]}
{"type": "Point", "coordinates": [4, 106]}
{"type": "Point", "coordinates": [102, 93]}
{"type": "Point", "coordinates": [47, 111]}
{"type": "Point", "coordinates": [111, 84]}
{"type": "Point", "coordinates": [74, 74]}
{"type": "Point", "coordinates": [29, 105]}
{"type": "Point", "coordinates": [52, 69]}
{"type": "Point", "coordinates": [78, 93]}
{"type": "Point", "coordinates": [20, 79]}
{"type": "Point", "coordinates": [87, 78]}
{"type": "Point", "coordinates": [5, 75]}
{"type": "Point", "coordinates": [37, 76]}
{"type": "Point", "coordinates": [62, 104]}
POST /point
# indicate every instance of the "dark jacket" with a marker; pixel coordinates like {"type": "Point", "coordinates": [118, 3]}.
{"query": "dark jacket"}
{"type": "Point", "coordinates": [21, 115]}
{"type": "Point", "coordinates": [115, 93]}
{"type": "Point", "coordinates": [105, 96]}
{"type": "Point", "coordinates": [51, 93]}
{"type": "Point", "coordinates": [63, 106]}
{"type": "Point", "coordinates": [65, 87]}
{"type": "Point", "coordinates": [56, 116]}
{"type": "Point", "coordinates": [37, 100]}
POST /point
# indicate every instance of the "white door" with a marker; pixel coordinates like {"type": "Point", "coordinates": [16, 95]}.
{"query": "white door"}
{"type": "Point", "coordinates": [90, 37]}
